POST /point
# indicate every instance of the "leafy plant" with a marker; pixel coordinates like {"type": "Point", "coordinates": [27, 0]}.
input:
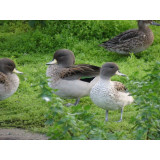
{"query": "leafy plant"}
{"type": "Point", "coordinates": [76, 123]}
{"type": "Point", "coordinates": [147, 122]}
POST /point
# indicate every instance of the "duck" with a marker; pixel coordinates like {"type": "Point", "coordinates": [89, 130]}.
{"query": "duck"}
{"type": "Point", "coordinates": [9, 81]}
{"type": "Point", "coordinates": [110, 95]}
{"type": "Point", "coordinates": [70, 81]}
{"type": "Point", "coordinates": [132, 41]}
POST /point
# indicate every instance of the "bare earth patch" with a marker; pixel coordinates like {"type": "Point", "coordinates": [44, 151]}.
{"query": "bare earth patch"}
{"type": "Point", "coordinates": [20, 134]}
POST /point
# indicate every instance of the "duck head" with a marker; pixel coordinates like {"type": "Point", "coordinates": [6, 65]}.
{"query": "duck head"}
{"type": "Point", "coordinates": [8, 66]}
{"type": "Point", "coordinates": [110, 69]}
{"type": "Point", "coordinates": [145, 23]}
{"type": "Point", "coordinates": [63, 57]}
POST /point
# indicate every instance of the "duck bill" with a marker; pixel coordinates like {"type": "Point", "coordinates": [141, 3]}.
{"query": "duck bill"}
{"type": "Point", "coordinates": [120, 74]}
{"type": "Point", "coordinates": [16, 71]}
{"type": "Point", "coordinates": [154, 23]}
{"type": "Point", "coordinates": [52, 62]}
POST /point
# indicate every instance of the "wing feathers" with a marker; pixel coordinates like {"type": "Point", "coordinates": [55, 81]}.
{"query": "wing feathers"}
{"type": "Point", "coordinates": [125, 36]}
{"type": "Point", "coordinates": [2, 78]}
{"type": "Point", "coordinates": [79, 71]}
{"type": "Point", "coordinates": [119, 86]}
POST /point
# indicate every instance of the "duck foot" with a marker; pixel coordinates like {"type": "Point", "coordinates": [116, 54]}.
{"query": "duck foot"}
{"type": "Point", "coordinates": [119, 120]}
{"type": "Point", "coordinates": [75, 104]}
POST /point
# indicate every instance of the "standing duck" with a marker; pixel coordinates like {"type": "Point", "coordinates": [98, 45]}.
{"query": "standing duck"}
{"type": "Point", "coordinates": [132, 41]}
{"type": "Point", "coordinates": [9, 81]}
{"type": "Point", "coordinates": [105, 92]}
{"type": "Point", "coordinates": [71, 81]}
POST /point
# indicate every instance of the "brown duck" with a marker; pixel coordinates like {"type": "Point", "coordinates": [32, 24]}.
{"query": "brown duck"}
{"type": "Point", "coordinates": [132, 41]}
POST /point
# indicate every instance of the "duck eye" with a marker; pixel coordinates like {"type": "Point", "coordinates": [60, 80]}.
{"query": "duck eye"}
{"type": "Point", "coordinates": [61, 56]}
{"type": "Point", "coordinates": [111, 66]}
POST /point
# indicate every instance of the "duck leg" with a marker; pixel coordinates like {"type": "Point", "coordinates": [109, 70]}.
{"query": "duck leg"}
{"type": "Point", "coordinates": [70, 104]}
{"type": "Point", "coordinates": [106, 115]}
{"type": "Point", "coordinates": [77, 101]}
{"type": "Point", "coordinates": [121, 115]}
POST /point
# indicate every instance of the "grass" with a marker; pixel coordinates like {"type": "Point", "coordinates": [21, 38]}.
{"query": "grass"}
{"type": "Point", "coordinates": [32, 46]}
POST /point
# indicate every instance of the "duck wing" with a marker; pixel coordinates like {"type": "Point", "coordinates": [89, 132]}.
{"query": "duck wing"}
{"type": "Point", "coordinates": [2, 78]}
{"type": "Point", "coordinates": [119, 86]}
{"type": "Point", "coordinates": [82, 72]}
{"type": "Point", "coordinates": [125, 36]}
{"type": "Point", "coordinates": [129, 35]}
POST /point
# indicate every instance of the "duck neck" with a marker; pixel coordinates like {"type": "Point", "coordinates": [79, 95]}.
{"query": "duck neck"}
{"type": "Point", "coordinates": [148, 32]}
{"type": "Point", "coordinates": [144, 28]}
{"type": "Point", "coordinates": [52, 70]}
{"type": "Point", "coordinates": [54, 67]}
{"type": "Point", "coordinates": [105, 79]}
{"type": "Point", "coordinates": [13, 78]}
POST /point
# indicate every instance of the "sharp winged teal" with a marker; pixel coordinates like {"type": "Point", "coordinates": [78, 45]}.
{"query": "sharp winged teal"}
{"type": "Point", "coordinates": [71, 81]}
{"type": "Point", "coordinates": [109, 95]}
{"type": "Point", "coordinates": [9, 81]}
{"type": "Point", "coordinates": [132, 41]}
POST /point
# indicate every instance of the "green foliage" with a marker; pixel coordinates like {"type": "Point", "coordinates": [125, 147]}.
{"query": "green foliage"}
{"type": "Point", "coordinates": [147, 122]}
{"type": "Point", "coordinates": [69, 123]}
{"type": "Point", "coordinates": [50, 34]}
{"type": "Point", "coordinates": [76, 123]}
{"type": "Point", "coordinates": [34, 23]}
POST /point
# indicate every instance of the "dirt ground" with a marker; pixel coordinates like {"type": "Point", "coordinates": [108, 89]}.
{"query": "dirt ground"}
{"type": "Point", "coordinates": [20, 134]}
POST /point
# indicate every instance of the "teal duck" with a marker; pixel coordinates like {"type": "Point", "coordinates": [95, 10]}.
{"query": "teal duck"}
{"type": "Point", "coordinates": [132, 41]}
{"type": "Point", "coordinates": [110, 95]}
{"type": "Point", "coordinates": [9, 81]}
{"type": "Point", "coordinates": [71, 81]}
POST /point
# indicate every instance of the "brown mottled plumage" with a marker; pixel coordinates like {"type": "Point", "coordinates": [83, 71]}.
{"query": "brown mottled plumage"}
{"type": "Point", "coordinates": [2, 78]}
{"type": "Point", "coordinates": [132, 41]}
{"type": "Point", "coordinates": [79, 71]}
{"type": "Point", "coordinates": [119, 86]}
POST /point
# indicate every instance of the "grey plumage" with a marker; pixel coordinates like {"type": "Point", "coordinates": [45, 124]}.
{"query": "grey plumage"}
{"type": "Point", "coordinates": [66, 77]}
{"type": "Point", "coordinates": [107, 94]}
